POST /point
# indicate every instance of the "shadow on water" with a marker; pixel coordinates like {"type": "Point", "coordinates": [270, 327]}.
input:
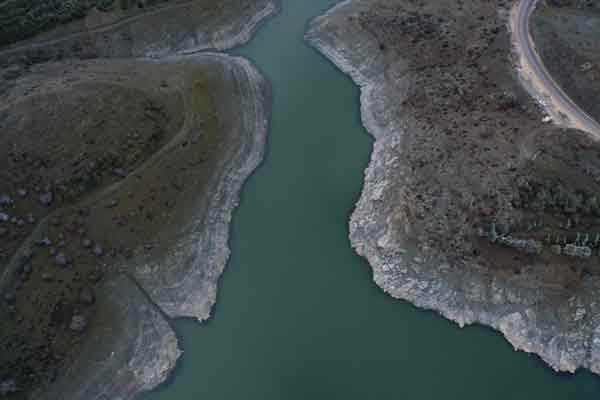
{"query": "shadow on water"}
{"type": "Point", "coordinates": [298, 316]}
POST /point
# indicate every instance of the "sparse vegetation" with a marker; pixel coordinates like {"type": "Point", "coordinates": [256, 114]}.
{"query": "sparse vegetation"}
{"type": "Point", "coordinates": [22, 19]}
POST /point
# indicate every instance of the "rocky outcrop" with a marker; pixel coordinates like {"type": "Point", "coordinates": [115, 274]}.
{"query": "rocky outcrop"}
{"type": "Point", "coordinates": [418, 217]}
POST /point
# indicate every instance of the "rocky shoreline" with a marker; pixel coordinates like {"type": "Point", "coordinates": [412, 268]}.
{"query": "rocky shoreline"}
{"type": "Point", "coordinates": [200, 252]}
{"type": "Point", "coordinates": [127, 346]}
{"type": "Point", "coordinates": [561, 326]}
{"type": "Point", "coordinates": [178, 277]}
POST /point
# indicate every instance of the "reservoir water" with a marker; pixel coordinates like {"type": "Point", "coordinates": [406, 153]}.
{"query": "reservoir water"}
{"type": "Point", "coordinates": [297, 316]}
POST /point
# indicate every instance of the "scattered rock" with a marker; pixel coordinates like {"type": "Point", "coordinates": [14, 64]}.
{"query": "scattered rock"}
{"type": "Point", "coordinates": [113, 203]}
{"type": "Point", "coordinates": [5, 200]}
{"type": "Point", "coordinates": [52, 251]}
{"type": "Point", "coordinates": [4, 217]}
{"type": "Point", "coordinates": [7, 387]}
{"type": "Point", "coordinates": [22, 193]}
{"type": "Point", "coordinates": [119, 172]}
{"type": "Point", "coordinates": [61, 260]}
{"type": "Point", "coordinates": [46, 199]}
{"type": "Point", "coordinates": [47, 276]}
{"type": "Point", "coordinates": [86, 243]}
{"type": "Point", "coordinates": [31, 218]}
{"type": "Point", "coordinates": [10, 297]}
{"type": "Point", "coordinates": [78, 323]}
{"type": "Point", "coordinates": [98, 250]}
{"type": "Point", "coordinates": [44, 242]}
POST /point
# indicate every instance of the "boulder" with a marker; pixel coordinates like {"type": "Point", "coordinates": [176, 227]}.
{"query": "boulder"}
{"type": "Point", "coordinates": [61, 260]}
{"type": "Point", "coordinates": [44, 242]}
{"type": "Point", "coordinates": [98, 250]}
{"type": "Point", "coordinates": [5, 200]}
{"type": "Point", "coordinates": [47, 276]}
{"type": "Point", "coordinates": [78, 323]}
{"type": "Point", "coordinates": [7, 386]}
{"type": "Point", "coordinates": [10, 297]}
{"type": "Point", "coordinates": [46, 198]}
{"type": "Point", "coordinates": [119, 172]}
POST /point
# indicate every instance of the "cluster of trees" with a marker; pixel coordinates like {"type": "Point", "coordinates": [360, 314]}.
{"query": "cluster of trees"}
{"type": "Point", "coordinates": [555, 197]}
{"type": "Point", "coordinates": [22, 19]}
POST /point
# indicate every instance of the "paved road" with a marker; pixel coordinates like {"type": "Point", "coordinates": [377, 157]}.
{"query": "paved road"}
{"type": "Point", "coordinates": [541, 80]}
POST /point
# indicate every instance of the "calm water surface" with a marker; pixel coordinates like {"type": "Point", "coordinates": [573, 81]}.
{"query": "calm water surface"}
{"type": "Point", "coordinates": [297, 315]}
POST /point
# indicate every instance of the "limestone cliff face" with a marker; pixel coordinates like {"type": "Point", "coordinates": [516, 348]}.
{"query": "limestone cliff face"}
{"type": "Point", "coordinates": [431, 96]}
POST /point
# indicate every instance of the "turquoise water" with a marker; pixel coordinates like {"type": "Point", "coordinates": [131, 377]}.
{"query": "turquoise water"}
{"type": "Point", "coordinates": [298, 316]}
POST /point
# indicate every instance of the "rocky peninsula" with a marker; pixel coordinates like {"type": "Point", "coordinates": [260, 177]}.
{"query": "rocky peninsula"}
{"type": "Point", "coordinates": [119, 179]}
{"type": "Point", "coordinates": [473, 204]}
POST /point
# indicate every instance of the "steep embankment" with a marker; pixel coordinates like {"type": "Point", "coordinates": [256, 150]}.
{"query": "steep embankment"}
{"type": "Point", "coordinates": [470, 205]}
{"type": "Point", "coordinates": [113, 230]}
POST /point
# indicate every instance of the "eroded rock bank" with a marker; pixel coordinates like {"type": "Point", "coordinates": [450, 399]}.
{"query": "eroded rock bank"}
{"type": "Point", "coordinates": [119, 180]}
{"type": "Point", "coordinates": [471, 206]}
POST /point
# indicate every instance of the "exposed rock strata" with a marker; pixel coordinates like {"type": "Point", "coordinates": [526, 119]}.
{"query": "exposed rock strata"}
{"type": "Point", "coordinates": [418, 221]}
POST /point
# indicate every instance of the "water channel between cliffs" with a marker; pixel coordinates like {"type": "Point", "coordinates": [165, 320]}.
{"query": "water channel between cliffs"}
{"type": "Point", "coordinates": [297, 315]}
